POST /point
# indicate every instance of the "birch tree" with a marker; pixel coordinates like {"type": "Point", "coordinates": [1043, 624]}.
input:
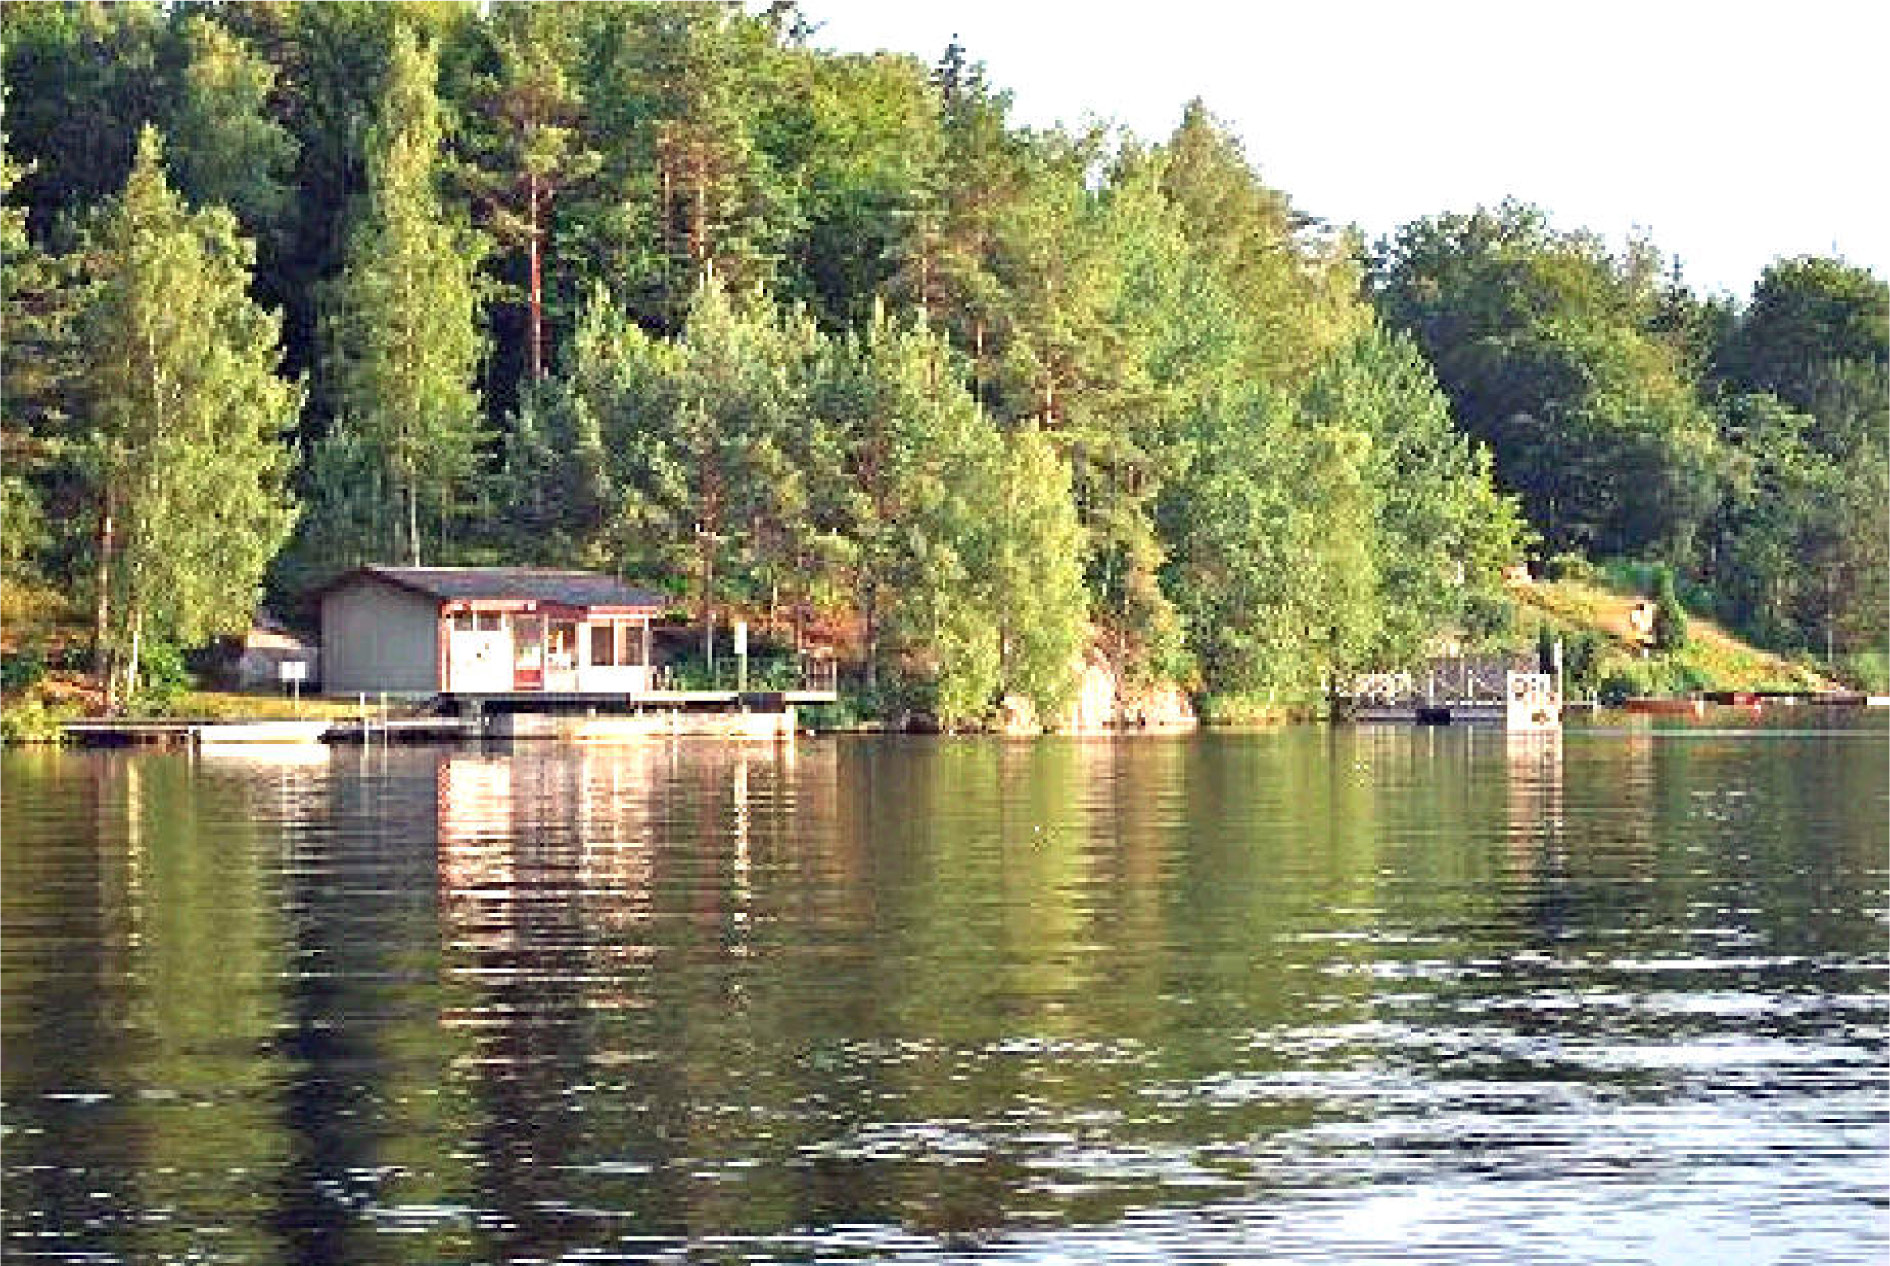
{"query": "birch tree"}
{"type": "Point", "coordinates": [186, 419]}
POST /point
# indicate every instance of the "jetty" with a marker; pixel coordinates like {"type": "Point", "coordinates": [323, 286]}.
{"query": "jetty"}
{"type": "Point", "coordinates": [1458, 690]}
{"type": "Point", "coordinates": [728, 714]}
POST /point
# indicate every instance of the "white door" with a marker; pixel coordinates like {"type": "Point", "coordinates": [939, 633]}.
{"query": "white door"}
{"type": "Point", "coordinates": [480, 659]}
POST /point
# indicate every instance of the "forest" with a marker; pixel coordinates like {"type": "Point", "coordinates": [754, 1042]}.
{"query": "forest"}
{"type": "Point", "coordinates": [830, 341]}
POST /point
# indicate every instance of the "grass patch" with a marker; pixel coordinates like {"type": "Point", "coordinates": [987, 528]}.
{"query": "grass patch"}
{"type": "Point", "coordinates": [1244, 710]}
{"type": "Point", "coordinates": [1712, 659]}
{"type": "Point", "coordinates": [225, 705]}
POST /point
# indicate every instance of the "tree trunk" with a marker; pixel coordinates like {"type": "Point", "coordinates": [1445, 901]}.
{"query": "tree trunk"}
{"type": "Point", "coordinates": [708, 611]}
{"type": "Point", "coordinates": [102, 667]}
{"type": "Point", "coordinates": [413, 521]}
{"type": "Point", "coordinates": [537, 344]}
{"type": "Point", "coordinates": [131, 663]}
{"type": "Point", "coordinates": [870, 612]}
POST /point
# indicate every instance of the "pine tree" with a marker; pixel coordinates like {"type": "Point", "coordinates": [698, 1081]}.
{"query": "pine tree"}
{"type": "Point", "coordinates": [525, 128]}
{"type": "Point", "coordinates": [404, 334]}
{"type": "Point", "coordinates": [186, 418]}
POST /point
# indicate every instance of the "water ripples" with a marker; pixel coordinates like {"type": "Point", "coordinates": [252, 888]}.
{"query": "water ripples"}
{"type": "Point", "coordinates": [1369, 997]}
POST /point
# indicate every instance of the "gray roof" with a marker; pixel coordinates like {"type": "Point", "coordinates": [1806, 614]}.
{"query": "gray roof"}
{"type": "Point", "coordinates": [540, 584]}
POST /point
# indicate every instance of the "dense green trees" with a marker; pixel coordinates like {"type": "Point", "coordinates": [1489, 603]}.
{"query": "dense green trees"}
{"type": "Point", "coordinates": [1549, 350]}
{"type": "Point", "coordinates": [1801, 543]}
{"type": "Point", "coordinates": [1749, 449]}
{"type": "Point", "coordinates": [829, 340]}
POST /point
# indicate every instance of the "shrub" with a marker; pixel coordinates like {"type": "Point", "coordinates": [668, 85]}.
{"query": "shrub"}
{"type": "Point", "coordinates": [1618, 687]}
{"type": "Point", "coordinates": [22, 670]}
{"type": "Point", "coordinates": [31, 721]}
{"type": "Point", "coordinates": [164, 678]}
{"type": "Point", "coordinates": [1581, 661]}
{"type": "Point", "coordinates": [1867, 670]}
{"type": "Point", "coordinates": [1670, 618]}
{"type": "Point", "coordinates": [1488, 617]}
{"type": "Point", "coordinates": [1569, 565]}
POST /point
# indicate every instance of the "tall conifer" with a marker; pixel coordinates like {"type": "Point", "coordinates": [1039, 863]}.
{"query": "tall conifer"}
{"type": "Point", "coordinates": [405, 330]}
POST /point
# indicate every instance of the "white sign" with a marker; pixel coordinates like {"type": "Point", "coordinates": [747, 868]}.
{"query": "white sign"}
{"type": "Point", "coordinates": [292, 670]}
{"type": "Point", "coordinates": [741, 637]}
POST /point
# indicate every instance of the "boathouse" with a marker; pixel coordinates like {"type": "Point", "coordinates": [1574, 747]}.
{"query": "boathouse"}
{"type": "Point", "coordinates": [485, 631]}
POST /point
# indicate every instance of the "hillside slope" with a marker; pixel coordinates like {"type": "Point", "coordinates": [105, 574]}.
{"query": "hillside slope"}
{"type": "Point", "coordinates": [1712, 659]}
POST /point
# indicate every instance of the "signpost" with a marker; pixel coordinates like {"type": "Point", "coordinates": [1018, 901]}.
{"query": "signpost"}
{"type": "Point", "coordinates": [741, 657]}
{"type": "Point", "coordinates": [293, 672]}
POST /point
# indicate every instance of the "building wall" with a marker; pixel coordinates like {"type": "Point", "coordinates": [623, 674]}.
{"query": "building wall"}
{"type": "Point", "coordinates": [378, 637]}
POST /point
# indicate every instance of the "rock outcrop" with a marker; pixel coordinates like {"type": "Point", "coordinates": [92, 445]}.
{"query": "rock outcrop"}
{"type": "Point", "coordinates": [1101, 706]}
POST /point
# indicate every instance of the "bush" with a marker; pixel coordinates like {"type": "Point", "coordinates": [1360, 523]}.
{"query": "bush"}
{"type": "Point", "coordinates": [844, 713]}
{"type": "Point", "coordinates": [1246, 709]}
{"type": "Point", "coordinates": [1489, 617]}
{"type": "Point", "coordinates": [1582, 653]}
{"type": "Point", "coordinates": [1867, 670]}
{"type": "Point", "coordinates": [1569, 565]}
{"type": "Point", "coordinates": [1621, 684]}
{"type": "Point", "coordinates": [31, 721]}
{"type": "Point", "coordinates": [1670, 618]}
{"type": "Point", "coordinates": [23, 669]}
{"type": "Point", "coordinates": [164, 679]}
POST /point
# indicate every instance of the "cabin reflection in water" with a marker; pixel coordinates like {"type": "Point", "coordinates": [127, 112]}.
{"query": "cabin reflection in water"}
{"type": "Point", "coordinates": [551, 859]}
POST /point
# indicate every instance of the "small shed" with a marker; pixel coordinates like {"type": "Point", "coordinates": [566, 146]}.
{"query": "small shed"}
{"type": "Point", "coordinates": [485, 631]}
{"type": "Point", "coordinates": [263, 653]}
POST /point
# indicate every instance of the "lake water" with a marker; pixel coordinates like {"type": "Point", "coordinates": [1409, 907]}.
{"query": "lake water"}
{"type": "Point", "coordinates": [1372, 995]}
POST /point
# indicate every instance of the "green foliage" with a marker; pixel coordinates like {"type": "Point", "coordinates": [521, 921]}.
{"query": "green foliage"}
{"type": "Point", "coordinates": [1670, 618]}
{"type": "Point", "coordinates": [1810, 318]}
{"type": "Point", "coordinates": [1554, 354]}
{"type": "Point", "coordinates": [1569, 565]}
{"type": "Point", "coordinates": [226, 148]}
{"type": "Point", "coordinates": [1867, 670]}
{"type": "Point", "coordinates": [22, 670]}
{"type": "Point", "coordinates": [832, 339]}
{"type": "Point", "coordinates": [32, 720]}
{"type": "Point", "coordinates": [404, 335]}
{"type": "Point", "coordinates": [163, 681]}
{"type": "Point", "coordinates": [1582, 655]}
{"type": "Point", "coordinates": [1249, 710]}
{"type": "Point", "coordinates": [186, 416]}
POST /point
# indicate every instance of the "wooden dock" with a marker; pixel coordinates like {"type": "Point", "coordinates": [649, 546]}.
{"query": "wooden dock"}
{"type": "Point", "coordinates": [470, 717]}
{"type": "Point", "coordinates": [195, 733]}
{"type": "Point", "coordinates": [1457, 692]}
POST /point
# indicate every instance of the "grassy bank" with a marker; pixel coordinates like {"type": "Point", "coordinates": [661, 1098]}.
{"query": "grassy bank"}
{"type": "Point", "coordinates": [1712, 658]}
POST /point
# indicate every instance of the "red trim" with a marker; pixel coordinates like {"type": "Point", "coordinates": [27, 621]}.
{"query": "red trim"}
{"type": "Point", "coordinates": [488, 605]}
{"type": "Point", "coordinates": [445, 650]}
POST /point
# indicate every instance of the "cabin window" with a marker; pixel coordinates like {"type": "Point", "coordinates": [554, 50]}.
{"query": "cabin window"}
{"type": "Point", "coordinates": [561, 645]}
{"type": "Point", "coordinates": [490, 621]}
{"type": "Point", "coordinates": [463, 622]}
{"type": "Point", "coordinates": [630, 643]}
{"type": "Point", "coordinates": [603, 645]}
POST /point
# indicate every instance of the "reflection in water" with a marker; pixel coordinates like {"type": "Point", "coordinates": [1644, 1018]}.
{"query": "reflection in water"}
{"type": "Point", "coordinates": [1346, 995]}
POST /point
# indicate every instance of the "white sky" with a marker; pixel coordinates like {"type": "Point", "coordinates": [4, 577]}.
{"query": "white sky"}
{"type": "Point", "coordinates": [1729, 133]}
